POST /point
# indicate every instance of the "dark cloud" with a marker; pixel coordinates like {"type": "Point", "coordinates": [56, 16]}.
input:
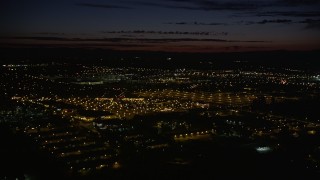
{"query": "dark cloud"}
{"type": "Point", "coordinates": [225, 5]}
{"type": "Point", "coordinates": [197, 23]}
{"type": "Point", "coordinates": [242, 5]}
{"type": "Point", "coordinates": [50, 33]}
{"type": "Point", "coordinates": [107, 6]}
{"type": "Point", "coordinates": [299, 2]}
{"type": "Point", "coordinates": [272, 21]}
{"type": "Point", "coordinates": [311, 23]}
{"type": "Point", "coordinates": [288, 14]}
{"type": "Point", "coordinates": [39, 38]}
{"type": "Point", "coordinates": [178, 23]}
{"type": "Point", "coordinates": [204, 5]}
{"type": "Point", "coordinates": [141, 3]}
{"type": "Point", "coordinates": [278, 21]}
{"type": "Point", "coordinates": [256, 3]}
{"type": "Point", "coordinates": [198, 33]}
{"type": "Point", "coordinates": [179, 0]}
{"type": "Point", "coordinates": [129, 40]}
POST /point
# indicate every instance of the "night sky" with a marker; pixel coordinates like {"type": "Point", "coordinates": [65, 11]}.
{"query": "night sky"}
{"type": "Point", "coordinates": [162, 25]}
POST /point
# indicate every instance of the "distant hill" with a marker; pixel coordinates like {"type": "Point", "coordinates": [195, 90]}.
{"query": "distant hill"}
{"type": "Point", "coordinates": [296, 59]}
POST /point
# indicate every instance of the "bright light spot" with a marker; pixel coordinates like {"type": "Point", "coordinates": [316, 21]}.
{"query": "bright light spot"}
{"type": "Point", "coordinates": [264, 149]}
